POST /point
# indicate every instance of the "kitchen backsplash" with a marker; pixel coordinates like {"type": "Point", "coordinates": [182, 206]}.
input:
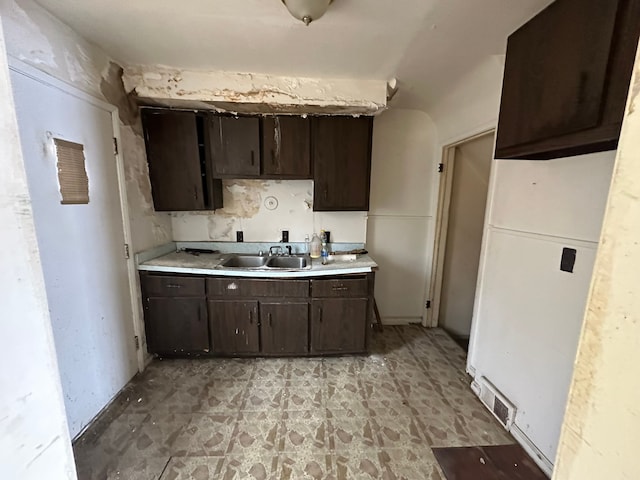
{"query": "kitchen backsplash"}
{"type": "Point", "coordinates": [261, 209]}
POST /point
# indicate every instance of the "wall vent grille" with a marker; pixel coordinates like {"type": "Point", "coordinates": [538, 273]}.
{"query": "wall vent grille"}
{"type": "Point", "coordinates": [496, 402]}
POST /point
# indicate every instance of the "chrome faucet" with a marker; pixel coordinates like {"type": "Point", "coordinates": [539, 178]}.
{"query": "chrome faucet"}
{"type": "Point", "coordinates": [275, 248]}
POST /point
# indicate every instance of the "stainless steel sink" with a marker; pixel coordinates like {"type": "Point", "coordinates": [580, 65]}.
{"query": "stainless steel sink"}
{"type": "Point", "coordinates": [289, 262]}
{"type": "Point", "coordinates": [245, 261]}
{"type": "Point", "coordinates": [263, 262]}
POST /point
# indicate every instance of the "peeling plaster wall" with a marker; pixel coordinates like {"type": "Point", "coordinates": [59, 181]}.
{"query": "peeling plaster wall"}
{"type": "Point", "coordinates": [601, 430]}
{"type": "Point", "coordinates": [34, 438]}
{"type": "Point", "coordinates": [37, 38]}
{"type": "Point", "coordinates": [248, 207]}
{"type": "Point", "coordinates": [40, 40]}
{"type": "Point", "coordinates": [527, 313]}
{"type": "Point", "coordinates": [254, 93]}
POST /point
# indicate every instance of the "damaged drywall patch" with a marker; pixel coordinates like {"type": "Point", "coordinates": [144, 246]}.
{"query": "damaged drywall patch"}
{"type": "Point", "coordinates": [252, 93]}
{"type": "Point", "coordinates": [113, 90]}
{"type": "Point", "coordinates": [222, 228]}
{"type": "Point", "coordinates": [34, 44]}
{"type": "Point", "coordinates": [242, 198]}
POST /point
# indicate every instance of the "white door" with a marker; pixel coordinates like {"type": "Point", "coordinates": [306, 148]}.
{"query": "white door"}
{"type": "Point", "coordinates": [81, 246]}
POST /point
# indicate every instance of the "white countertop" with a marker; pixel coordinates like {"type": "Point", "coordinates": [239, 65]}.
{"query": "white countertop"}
{"type": "Point", "coordinates": [208, 264]}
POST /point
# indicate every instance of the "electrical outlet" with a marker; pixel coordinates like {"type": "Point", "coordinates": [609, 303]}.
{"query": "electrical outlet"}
{"type": "Point", "coordinates": [285, 236]}
{"type": "Point", "coordinates": [239, 236]}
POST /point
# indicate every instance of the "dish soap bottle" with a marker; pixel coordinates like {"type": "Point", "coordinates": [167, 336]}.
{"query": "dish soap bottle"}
{"type": "Point", "coordinates": [316, 246]}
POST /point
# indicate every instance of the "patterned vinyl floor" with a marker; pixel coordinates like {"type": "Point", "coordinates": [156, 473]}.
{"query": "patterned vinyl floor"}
{"type": "Point", "coordinates": [373, 417]}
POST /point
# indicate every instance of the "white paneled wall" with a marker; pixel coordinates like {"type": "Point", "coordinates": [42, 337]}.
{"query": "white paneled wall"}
{"type": "Point", "coordinates": [528, 313]}
{"type": "Point", "coordinates": [399, 234]}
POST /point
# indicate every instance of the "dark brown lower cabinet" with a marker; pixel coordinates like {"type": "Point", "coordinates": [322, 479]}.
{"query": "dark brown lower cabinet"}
{"type": "Point", "coordinates": [338, 325]}
{"type": "Point", "coordinates": [284, 327]}
{"type": "Point", "coordinates": [231, 316]}
{"type": "Point", "coordinates": [176, 325]}
{"type": "Point", "coordinates": [234, 327]}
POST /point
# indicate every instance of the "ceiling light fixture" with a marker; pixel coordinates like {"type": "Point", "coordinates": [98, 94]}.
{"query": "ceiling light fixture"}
{"type": "Point", "coordinates": [307, 10]}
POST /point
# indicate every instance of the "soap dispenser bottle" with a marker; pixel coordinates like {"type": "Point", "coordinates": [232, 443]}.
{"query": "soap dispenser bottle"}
{"type": "Point", "coordinates": [316, 246]}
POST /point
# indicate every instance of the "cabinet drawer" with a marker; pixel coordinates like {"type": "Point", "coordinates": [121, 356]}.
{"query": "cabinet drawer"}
{"type": "Point", "coordinates": [240, 287]}
{"type": "Point", "coordinates": [171, 286]}
{"type": "Point", "coordinates": [348, 287]}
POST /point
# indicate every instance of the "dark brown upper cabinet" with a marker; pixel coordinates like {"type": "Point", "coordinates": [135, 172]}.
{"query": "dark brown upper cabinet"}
{"type": "Point", "coordinates": [341, 163]}
{"type": "Point", "coordinates": [566, 79]}
{"type": "Point", "coordinates": [286, 147]}
{"type": "Point", "coordinates": [179, 161]}
{"type": "Point", "coordinates": [235, 146]}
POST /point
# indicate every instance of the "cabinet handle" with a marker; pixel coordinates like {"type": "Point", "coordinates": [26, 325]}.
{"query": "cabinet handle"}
{"type": "Point", "coordinates": [173, 285]}
{"type": "Point", "coordinates": [236, 331]}
{"type": "Point", "coordinates": [270, 320]}
{"type": "Point", "coordinates": [251, 317]}
{"type": "Point", "coordinates": [339, 289]}
{"type": "Point", "coordinates": [320, 314]}
{"type": "Point", "coordinates": [326, 193]}
{"type": "Point", "coordinates": [253, 160]}
{"type": "Point", "coordinates": [195, 192]}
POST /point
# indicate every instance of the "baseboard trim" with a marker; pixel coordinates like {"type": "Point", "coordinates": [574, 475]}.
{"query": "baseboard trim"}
{"type": "Point", "coordinates": [401, 320]}
{"type": "Point", "coordinates": [536, 455]}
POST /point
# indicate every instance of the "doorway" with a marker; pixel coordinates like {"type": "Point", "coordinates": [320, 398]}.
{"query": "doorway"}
{"type": "Point", "coordinates": [460, 225]}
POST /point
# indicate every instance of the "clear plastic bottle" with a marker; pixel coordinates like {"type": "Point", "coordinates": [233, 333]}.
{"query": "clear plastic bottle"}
{"type": "Point", "coordinates": [324, 253]}
{"type": "Point", "coordinates": [316, 246]}
{"type": "Point", "coordinates": [307, 247]}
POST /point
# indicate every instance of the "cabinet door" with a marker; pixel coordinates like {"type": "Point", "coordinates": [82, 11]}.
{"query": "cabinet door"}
{"type": "Point", "coordinates": [176, 325]}
{"type": "Point", "coordinates": [234, 327]}
{"type": "Point", "coordinates": [235, 146]}
{"type": "Point", "coordinates": [284, 327]}
{"type": "Point", "coordinates": [286, 146]}
{"type": "Point", "coordinates": [559, 68]}
{"type": "Point", "coordinates": [341, 163]}
{"type": "Point", "coordinates": [174, 160]}
{"type": "Point", "coordinates": [338, 325]}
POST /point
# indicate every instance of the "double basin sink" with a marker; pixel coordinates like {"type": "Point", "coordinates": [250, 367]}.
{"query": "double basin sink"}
{"type": "Point", "coordinates": [265, 262]}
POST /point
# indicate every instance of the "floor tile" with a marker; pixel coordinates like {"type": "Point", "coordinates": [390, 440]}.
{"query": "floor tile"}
{"type": "Point", "coordinates": [250, 466]}
{"type": "Point", "coordinates": [206, 436]}
{"type": "Point", "coordinates": [348, 432]}
{"type": "Point", "coordinates": [223, 396]}
{"type": "Point", "coordinates": [157, 435]}
{"type": "Point", "coordinates": [192, 468]}
{"type": "Point", "coordinates": [305, 431]}
{"type": "Point", "coordinates": [409, 464]}
{"type": "Point", "coordinates": [302, 465]}
{"type": "Point", "coordinates": [257, 432]}
{"type": "Point", "coordinates": [357, 465]}
{"type": "Point", "coordinates": [355, 417]}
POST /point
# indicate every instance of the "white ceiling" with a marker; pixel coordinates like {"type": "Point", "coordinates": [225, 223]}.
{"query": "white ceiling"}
{"type": "Point", "coordinates": [426, 44]}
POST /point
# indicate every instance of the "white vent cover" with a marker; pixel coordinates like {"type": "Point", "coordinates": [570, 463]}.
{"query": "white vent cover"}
{"type": "Point", "coordinates": [495, 401]}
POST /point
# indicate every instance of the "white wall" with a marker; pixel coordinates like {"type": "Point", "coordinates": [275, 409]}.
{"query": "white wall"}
{"type": "Point", "coordinates": [527, 314]}
{"type": "Point", "coordinates": [400, 225]}
{"type": "Point", "coordinates": [34, 439]}
{"type": "Point", "coordinates": [38, 39]}
{"type": "Point", "coordinates": [601, 430]}
{"type": "Point", "coordinates": [246, 208]}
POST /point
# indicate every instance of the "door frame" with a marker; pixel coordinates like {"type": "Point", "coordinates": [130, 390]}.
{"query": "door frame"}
{"type": "Point", "coordinates": [38, 75]}
{"type": "Point", "coordinates": [442, 224]}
